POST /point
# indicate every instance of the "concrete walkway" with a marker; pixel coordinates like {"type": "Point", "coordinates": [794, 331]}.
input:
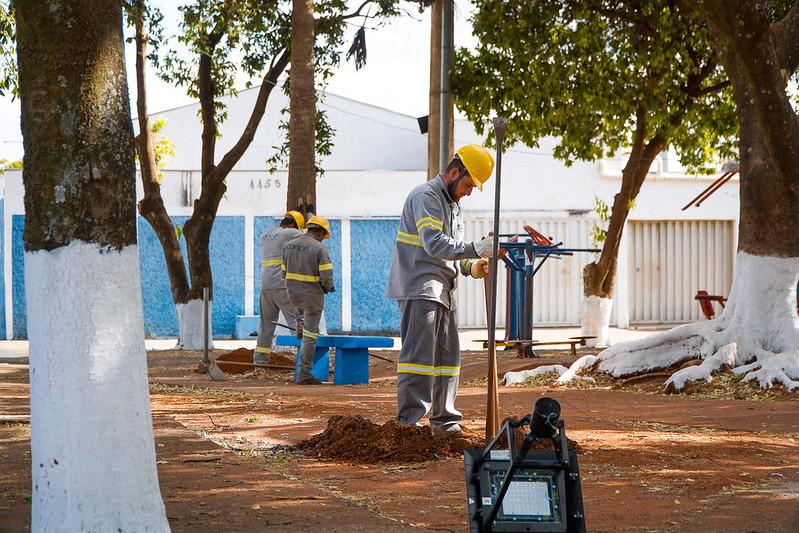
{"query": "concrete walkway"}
{"type": "Point", "coordinates": [16, 351]}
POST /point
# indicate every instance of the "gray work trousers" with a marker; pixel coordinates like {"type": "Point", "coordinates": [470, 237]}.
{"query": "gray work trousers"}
{"type": "Point", "coordinates": [429, 364]}
{"type": "Point", "coordinates": [307, 321]}
{"type": "Point", "coordinates": [273, 302]}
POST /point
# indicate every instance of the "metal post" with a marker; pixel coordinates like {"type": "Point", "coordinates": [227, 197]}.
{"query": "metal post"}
{"type": "Point", "coordinates": [492, 401]}
{"type": "Point", "coordinates": [447, 50]}
{"type": "Point", "coordinates": [206, 360]}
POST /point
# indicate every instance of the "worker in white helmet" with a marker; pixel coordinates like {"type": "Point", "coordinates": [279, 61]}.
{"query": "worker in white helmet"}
{"type": "Point", "coordinates": [427, 256]}
{"type": "Point", "coordinates": [274, 298]}
{"type": "Point", "coordinates": [309, 276]}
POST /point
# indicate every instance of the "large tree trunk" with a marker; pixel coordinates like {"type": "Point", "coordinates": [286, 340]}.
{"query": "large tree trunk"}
{"type": "Point", "coordinates": [757, 335]}
{"type": "Point", "coordinates": [92, 449]}
{"type": "Point", "coordinates": [599, 277]}
{"type": "Point", "coordinates": [301, 193]}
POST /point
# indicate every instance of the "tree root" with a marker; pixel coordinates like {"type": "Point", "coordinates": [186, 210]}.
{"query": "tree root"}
{"type": "Point", "coordinates": [697, 351]}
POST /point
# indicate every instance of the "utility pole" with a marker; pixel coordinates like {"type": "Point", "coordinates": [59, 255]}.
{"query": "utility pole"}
{"type": "Point", "coordinates": [446, 127]}
{"type": "Point", "coordinates": [434, 110]}
{"type": "Point", "coordinates": [440, 66]}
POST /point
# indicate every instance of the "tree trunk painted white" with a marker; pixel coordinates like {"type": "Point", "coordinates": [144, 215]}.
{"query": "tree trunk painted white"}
{"type": "Point", "coordinates": [192, 328]}
{"type": "Point", "coordinates": [757, 335]}
{"type": "Point", "coordinates": [92, 450]}
{"type": "Point", "coordinates": [595, 320]}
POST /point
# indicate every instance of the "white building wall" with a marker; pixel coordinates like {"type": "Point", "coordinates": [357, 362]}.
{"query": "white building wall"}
{"type": "Point", "coordinates": [379, 156]}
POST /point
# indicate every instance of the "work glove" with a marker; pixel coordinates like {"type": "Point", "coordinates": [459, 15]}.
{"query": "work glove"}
{"type": "Point", "coordinates": [485, 246]}
{"type": "Point", "coordinates": [479, 268]}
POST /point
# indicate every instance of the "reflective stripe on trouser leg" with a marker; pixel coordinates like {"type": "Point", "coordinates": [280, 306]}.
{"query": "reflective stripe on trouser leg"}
{"type": "Point", "coordinates": [310, 332]}
{"type": "Point", "coordinates": [429, 364]}
{"type": "Point", "coordinates": [273, 302]}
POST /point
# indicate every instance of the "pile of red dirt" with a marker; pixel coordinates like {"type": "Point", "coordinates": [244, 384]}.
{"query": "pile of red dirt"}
{"type": "Point", "coordinates": [358, 440]}
{"type": "Point", "coordinates": [243, 355]}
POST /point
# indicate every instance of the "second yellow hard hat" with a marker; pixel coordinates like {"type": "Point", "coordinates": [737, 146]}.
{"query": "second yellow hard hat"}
{"type": "Point", "coordinates": [322, 222]}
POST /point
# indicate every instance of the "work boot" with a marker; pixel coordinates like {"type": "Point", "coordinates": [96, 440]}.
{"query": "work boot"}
{"type": "Point", "coordinates": [309, 381]}
{"type": "Point", "coordinates": [448, 431]}
{"type": "Point", "coordinates": [260, 358]}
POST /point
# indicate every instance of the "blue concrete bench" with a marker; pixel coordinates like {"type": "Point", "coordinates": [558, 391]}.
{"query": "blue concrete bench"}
{"type": "Point", "coordinates": [352, 356]}
{"type": "Point", "coordinates": [247, 326]}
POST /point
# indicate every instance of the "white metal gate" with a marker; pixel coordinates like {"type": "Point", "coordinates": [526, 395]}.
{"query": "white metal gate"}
{"type": "Point", "coordinates": [558, 291]}
{"type": "Point", "coordinates": [670, 260]}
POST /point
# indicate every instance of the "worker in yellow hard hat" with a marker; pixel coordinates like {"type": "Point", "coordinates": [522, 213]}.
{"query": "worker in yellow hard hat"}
{"type": "Point", "coordinates": [274, 298]}
{"type": "Point", "coordinates": [319, 222]}
{"type": "Point", "coordinates": [309, 276]}
{"type": "Point", "coordinates": [428, 254]}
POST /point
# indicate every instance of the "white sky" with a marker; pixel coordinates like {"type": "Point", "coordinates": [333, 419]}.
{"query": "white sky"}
{"type": "Point", "coordinates": [395, 76]}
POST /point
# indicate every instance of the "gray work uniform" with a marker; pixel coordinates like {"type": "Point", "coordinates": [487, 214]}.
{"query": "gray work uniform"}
{"type": "Point", "coordinates": [423, 280]}
{"type": "Point", "coordinates": [309, 276]}
{"type": "Point", "coordinates": [274, 297]}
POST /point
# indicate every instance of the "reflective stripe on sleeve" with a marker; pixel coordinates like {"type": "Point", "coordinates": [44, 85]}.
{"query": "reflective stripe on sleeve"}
{"type": "Point", "coordinates": [408, 238]}
{"type": "Point", "coordinates": [301, 277]}
{"type": "Point", "coordinates": [271, 262]}
{"type": "Point", "coordinates": [325, 266]}
{"type": "Point", "coordinates": [429, 222]}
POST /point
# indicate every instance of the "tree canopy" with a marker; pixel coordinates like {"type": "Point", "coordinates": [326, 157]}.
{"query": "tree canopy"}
{"type": "Point", "coordinates": [582, 71]}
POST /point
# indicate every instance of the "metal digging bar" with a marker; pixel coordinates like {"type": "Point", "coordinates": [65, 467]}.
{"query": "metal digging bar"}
{"type": "Point", "coordinates": [492, 399]}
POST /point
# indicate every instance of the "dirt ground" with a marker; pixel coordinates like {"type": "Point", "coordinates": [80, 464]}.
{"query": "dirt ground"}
{"type": "Point", "coordinates": [705, 462]}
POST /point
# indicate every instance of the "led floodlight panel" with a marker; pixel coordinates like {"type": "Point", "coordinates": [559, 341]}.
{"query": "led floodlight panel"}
{"type": "Point", "coordinates": [532, 496]}
{"type": "Point", "coordinates": [540, 498]}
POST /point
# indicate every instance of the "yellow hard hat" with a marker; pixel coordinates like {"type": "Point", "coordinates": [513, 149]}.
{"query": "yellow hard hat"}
{"type": "Point", "coordinates": [322, 222]}
{"type": "Point", "coordinates": [298, 218]}
{"type": "Point", "coordinates": [478, 161]}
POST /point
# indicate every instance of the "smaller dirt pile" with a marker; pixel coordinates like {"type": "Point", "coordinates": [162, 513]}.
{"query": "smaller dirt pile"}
{"type": "Point", "coordinates": [358, 440]}
{"type": "Point", "coordinates": [244, 355]}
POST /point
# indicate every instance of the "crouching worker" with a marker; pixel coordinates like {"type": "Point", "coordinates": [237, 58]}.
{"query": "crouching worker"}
{"type": "Point", "coordinates": [274, 297]}
{"type": "Point", "coordinates": [309, 276]}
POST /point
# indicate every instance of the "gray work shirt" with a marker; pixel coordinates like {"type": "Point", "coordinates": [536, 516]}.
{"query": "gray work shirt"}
{"type": "Point", "coordinates": [428, 239]}
{"type": "Point", "coordinates": [273, 241]}
{"type": "Point", "coordinates": [308, 271]}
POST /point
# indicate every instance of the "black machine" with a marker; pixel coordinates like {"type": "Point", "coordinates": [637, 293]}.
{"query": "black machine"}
{"type": "Point", "coordinates": [524, 489]}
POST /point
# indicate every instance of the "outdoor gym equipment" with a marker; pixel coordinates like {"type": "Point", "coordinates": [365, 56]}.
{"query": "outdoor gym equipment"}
{"type": "Point", "coordinates": [523, 260]}
{"type": "Point", "coordinates": [524, 490]}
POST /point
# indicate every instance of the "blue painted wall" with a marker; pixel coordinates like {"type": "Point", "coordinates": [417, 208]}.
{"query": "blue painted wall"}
{"type": "Point", "coordinates": [227, 267]}
{"type": "Point", "coordinates": [333, 300]}
{"type": "Point", "coordinates": [160, 317]}
{"type": "Point", "coordinates": [372, 245]}
{"type": "Point", "coordinates": [18, 277]}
